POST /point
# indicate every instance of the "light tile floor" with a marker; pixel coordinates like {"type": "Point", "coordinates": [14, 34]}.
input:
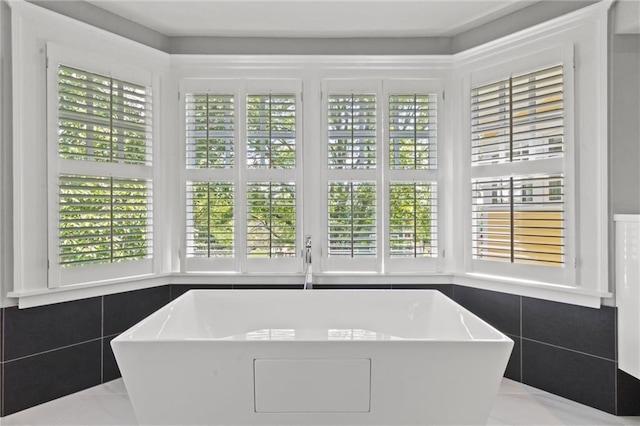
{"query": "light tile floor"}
{"type": "Point", "coordinates": [516, 405]}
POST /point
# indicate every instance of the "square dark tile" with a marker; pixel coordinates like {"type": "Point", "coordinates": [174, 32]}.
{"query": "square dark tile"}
{"type": "Point", "coordinates": [582, 378]}
{"type": "Point", "coordinates": [34, 330]}
{"type": "Point", "coordinates": [579, 328]}
{"type": "Point", "coordinates": [40, 378]}
{"type": "Point", "coordinates": [178, 290]}
{"type": "Point", "coordinates": [627, 395]}
{"type": "Point", "coordinates": [110, 370]}
{"type": "Point", "coordinates": [501, 310]}
{"type": "Point", "coordinates": [446, 289]}
{"type": "Point", "coordinates": [124, 310]}
{"type": "Point", "coordinates": [514, 367]}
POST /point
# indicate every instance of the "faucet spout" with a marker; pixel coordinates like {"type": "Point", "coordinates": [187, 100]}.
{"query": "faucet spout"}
{"type": "Point", "coordinates": [308, 274]}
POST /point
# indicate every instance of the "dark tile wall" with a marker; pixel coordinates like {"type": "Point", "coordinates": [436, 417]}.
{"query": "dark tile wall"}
{"type": "Point", "coordinates": [55, 350]}
{"type": "Point", "coordinates": [51, 351]}
{"type": "Point", "coordinates": [564, 349]}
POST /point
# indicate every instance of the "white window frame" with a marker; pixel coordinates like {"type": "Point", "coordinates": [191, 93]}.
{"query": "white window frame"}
{"type": "Point", "coordinates": [57, 276]}
{"type": "Point", "coordinates": [585, 29]}
{"type": "Point", "coordinates": [382, 175]}
{"type": "Point", "coordinates": [240, 175]}
{"type": "Point", "coordinates": [422, 264]}
{"type": "Point", "coordinates": [546, 58]}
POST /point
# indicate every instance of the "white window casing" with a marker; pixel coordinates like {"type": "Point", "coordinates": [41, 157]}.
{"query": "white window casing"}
{"type": "Point", "coordinates": [577, 41]}
{"type": "Point", "coordinates": [521, 146]}
{"type": "Point", "coordinates": [380, 144]}
{"type": "Point", "coordinates": [99, 165]}
{"type": "Point", "coordinates": [259, 127]}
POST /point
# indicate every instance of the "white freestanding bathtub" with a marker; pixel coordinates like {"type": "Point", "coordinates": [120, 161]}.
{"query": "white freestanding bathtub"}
{"type": "Point", "coordinates": [314, 357]}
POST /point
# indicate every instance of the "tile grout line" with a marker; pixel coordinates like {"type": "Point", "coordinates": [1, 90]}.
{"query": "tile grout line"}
{"type": "Point", "coordinates": [2, 392]}
{"type": "Point", "coordinates": [521, 345]}
{"type": "Point", "coordinates": [615, 355]}
{"type": "Point", "coordinates": [52, 350]}
{"type": "Point", "coordinates": [569, 349]}
{"type": "Point", "coordinates": [102, 339]}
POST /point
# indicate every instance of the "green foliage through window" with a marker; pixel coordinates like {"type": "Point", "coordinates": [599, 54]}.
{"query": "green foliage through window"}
{"type": "Point", "coordinates": [271, 131]}
{"type": "Point", "coordinates": [103, 220]}
{"type": "Point", "coordinates": [352, 219]}
{"type": "Point", "coordinates": [412, 219]}
{"type": "Point", "coordinates": [210, 125]}
{"type": "Point", "coordinates": [102, 119]}
{"type": "Point", "coordinates": [412, 131]}
{"type": "Point", "coordinates": [271, 219]}
{"type": "Point", "coordinates": [210, 221]}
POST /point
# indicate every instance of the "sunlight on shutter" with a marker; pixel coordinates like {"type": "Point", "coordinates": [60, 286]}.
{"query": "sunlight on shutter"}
{"type": "Point", "coordinates": [519, 219]}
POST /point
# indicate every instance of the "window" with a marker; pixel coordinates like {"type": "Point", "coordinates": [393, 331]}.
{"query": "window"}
{"type": "Point", "coordinates": [518, 170]}
{"type": "Point", "coordinates": [381, 175]}
{"type": "Point", "coordinates": [242, 173]}
{"type": "Point", "coordinates": [101, 175]}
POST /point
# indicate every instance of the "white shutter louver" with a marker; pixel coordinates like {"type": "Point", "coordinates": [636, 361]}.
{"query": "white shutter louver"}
{"type": "Point", "coordinates": [271, 131]}
{"type": "Point", "coordinates": [105, 216]}
{"type": "Point", "coordinates": [104, 219]}
{"type": "Point", "coordinates": [271, 219]}
{"type": "Point", "coordinates": [352, 219]}
{"type": "Point", "coordinates": [519, 219]}
{"type": "Point", "coordinates": [102, 118]}
{"type": "Point", "coordinates": [413, 220]}
{"type": "Point", "coordinates": [352, 131]}
{"type": "Point", "coordinates": [210, 126]}
{"type": "Point", "coordinates": [210, 219]}
{"type": "Point", "coordinates": [519, 119]}
{"type": "Point", "coordinates": [413, 131]}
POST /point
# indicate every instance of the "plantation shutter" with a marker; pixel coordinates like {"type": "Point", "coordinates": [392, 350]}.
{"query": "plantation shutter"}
{"type": "Point", "coordinates": [210, 219]}
{"type": "Point", "coordinates": [518, 211]}
{"type": "Point", "coordinates": [271, 219]}
{"type": "Point", "coordinates": [413, 219]}
{"type": "Point", "coordinates": [210, 152]}
{"type": "Point", "coordinates": [352, 131]}
{"type": "Point", "coordinates": [413, 131]}
{"type": "Point", "coordinates": [105, 212]}
{"type": "Point", "coordinates": [102, 118]}
{"type": "Point", "coordinates": [271, 131]}
{"type": "Point", "coordinates": [210, 127]}
{"type": "Point", "coordinates": [104, 219]}
{"type": "Point", "coordinates": [412, 188]}
{"type": "Point", "coordinates": [352, 219]}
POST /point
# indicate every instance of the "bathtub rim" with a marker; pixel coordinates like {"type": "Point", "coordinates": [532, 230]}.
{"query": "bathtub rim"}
{"type": "Point", "coordinates": [123, 336]}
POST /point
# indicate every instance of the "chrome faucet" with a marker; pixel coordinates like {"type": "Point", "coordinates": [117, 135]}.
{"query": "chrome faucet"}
{"type": "Point", "coordinates": [308, 273]}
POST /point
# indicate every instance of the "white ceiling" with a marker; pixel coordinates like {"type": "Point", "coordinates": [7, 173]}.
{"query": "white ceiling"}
{"type": "Point", "coordinates": [311, 18]}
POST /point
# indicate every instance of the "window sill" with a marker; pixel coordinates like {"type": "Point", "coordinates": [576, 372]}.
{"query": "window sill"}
{"type": "Point", "coordinates": [539, 290]}
{"type": "Point", "coordinates": [46, 296]}
{"type": "Point", "coordinates": [546, 291]}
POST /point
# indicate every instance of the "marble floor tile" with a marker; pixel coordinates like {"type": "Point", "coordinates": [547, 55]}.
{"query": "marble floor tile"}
{"type": "Point", "coordinates": [515, 405]}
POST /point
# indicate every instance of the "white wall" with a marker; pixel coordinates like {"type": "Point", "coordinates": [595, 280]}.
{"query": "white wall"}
{"type": "Point", "coordinates": [6, 129]}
